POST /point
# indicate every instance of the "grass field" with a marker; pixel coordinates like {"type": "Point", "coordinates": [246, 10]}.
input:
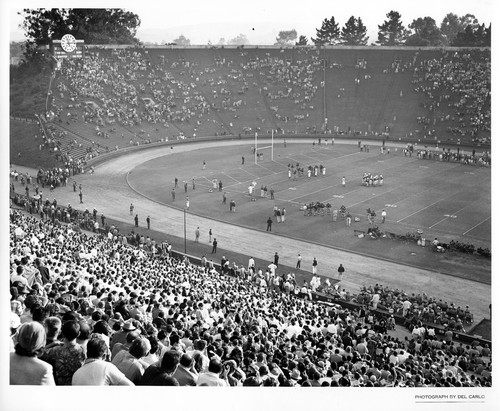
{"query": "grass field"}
{"type": "Point", "coordinates": [466, 279]}
{"type": "Point", "coordinates": [449, 201]}
{"type": "Point", "coordinates": [445, 200]}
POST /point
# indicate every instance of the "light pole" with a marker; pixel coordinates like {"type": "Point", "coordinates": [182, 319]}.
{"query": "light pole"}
{"type": "Point", "coordinates": [325, 62]}
{"type": "Point", "coordinates": [185, 247]}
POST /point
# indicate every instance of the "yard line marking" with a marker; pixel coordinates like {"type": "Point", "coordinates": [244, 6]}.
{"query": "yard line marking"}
{"type": "Point", "coordinates": [449, 216]}
{"type": "Point", "coordinates": [366, 199]}
{"type": "Point", "coordinates": [486, 219]}
{"type": "Point", "coordinates": [335, 158]}
{"type": "Point", "coordinates": [281, 161]}
{"type": "Point", "coordinates": [319, 154]}
{"type": "Point", "coordinates": [416, 212]}
{"type": "Point", "coordinates": [268, 169]}
{"type": "Point", "coordinates": [348, 192]}
{"type": "Point", "coordinates": [248, 172]}
{"type": "Point", "coordinates": [232, 178]}
{"type": "Point", "coordinates": [293, 159]}
{"type": "Point", "coordinates": [314, 192]}
{"type": "Point", "coordinates": [430, 205]}
{"type": "Point", "coordinates": [305, 155]}
{"type": "Point", "coordinates": [203, 185]}
{"type": "Point", "coordinates": [386, 192]}
{"type": "Point", "coordinates": [357, 153]}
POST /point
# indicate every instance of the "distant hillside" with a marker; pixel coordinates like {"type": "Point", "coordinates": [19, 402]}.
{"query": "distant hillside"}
{"type": "Point", "coordinates": [28, 89]}
{"type": "Point", "coordinates": [16, 51]}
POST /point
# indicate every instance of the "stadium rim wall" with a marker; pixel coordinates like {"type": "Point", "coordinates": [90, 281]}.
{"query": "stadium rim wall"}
{"type": "Point", "coordinates": [114, 154]}
{"type": "Point", "coordinates": [271, 47]}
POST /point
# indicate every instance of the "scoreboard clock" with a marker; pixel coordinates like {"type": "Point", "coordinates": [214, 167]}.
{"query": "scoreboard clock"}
{"type": "Point", "coordinates": [68, 43]}
{"type": "Point", "coordinates": [67, 47]}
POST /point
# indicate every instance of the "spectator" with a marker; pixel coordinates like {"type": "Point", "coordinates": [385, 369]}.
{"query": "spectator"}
{"type": "Point", "coordinates": [216, 376]}
{"type": "Point", "coordinates": [185, 373]}
{"type": "Point", "coordinates": [129, 362]}
{"type": "Point", "coordinates": [25, 367]}
{"type": "Point", "coordinates": [159, 373]}
{"type": "Point", "coordinates": [67, 357]}
{"type": "Point", "coordinates": [199, 312]}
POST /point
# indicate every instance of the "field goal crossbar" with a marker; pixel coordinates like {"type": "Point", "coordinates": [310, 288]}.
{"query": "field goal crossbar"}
{"type": "Point", "coordinates": [257, 148]}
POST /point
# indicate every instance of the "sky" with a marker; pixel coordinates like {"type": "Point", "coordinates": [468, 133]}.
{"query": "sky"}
{"type": "Point", "coordinates": [260, 21]}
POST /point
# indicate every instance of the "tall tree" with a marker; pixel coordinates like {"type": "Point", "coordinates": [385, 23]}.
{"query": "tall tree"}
{"type": "Point", "coordinates": [302, 41]}
{"type": "Point", "coordinates": [452, 25]}
{"type": "Point", "coordinates": [104, 26]}
{"type": "Point", "coordinates": [469, 20]}
{"type": "Point", "coordinates": [239, 40]}
{"type": "Point", "coordinates": [328, 34]}
{"type": "Point", "coordinates": [286, 37]}
{"type": "Point", "coordinates": [474, 36]}
{"type": "Point", "coordinates": [95, 26]}
{"type": "Point", "coordinates": [487, 36]}
{"type": "Point", "coordinates": [182, 41]}
{"type": "Point", "coordinates": [392, 32]}
{"type": "Point", "coordinates": [425, 33]}
{"type": "Point", "coordinates": [41, 25]}
{"type": "Point", "coordinates": [354, 33]}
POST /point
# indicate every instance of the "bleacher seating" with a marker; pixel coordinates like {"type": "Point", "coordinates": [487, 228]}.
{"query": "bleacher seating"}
{"type": "Point", "coordinates": [341, 345]}
{"type": "Point", "coordinates": [135, 96]}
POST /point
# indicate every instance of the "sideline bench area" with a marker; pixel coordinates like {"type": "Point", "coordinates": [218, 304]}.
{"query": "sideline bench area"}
{"type": "Point", "coordinates": [400, 320]}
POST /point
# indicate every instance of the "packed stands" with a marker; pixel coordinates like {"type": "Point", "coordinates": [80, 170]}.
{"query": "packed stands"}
{"type": "Point", "coordinates": [125, 304]}
{"type": "Point", "coordinates": [132, 96]}
{"type": "Point", "coordinates": [148, 318]}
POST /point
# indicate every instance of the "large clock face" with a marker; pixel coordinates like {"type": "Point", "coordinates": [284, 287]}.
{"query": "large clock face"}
{"type": "Point", "coordinates": [68, 43]}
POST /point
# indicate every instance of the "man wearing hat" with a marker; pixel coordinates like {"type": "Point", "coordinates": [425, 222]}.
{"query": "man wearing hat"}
{"type": "Point", "coordinates": [295, 377]}
{"type": "Point", "coordinates": [121, 335]}
{"type": "Point", "coordinates": [118, 347]}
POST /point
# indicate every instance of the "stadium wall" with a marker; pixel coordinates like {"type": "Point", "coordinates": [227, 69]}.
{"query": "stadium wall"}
{"type": "Point", "coordinates": [273, 47]}
{"type": "Point", "coordinates": [370, 139]}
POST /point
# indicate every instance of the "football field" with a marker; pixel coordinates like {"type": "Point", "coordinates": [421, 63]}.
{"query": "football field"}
{"type": "Point", "coordinates": [447, 200]}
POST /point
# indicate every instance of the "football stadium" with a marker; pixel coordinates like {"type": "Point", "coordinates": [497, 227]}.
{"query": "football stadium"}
{"type": "Point", "coordinates": [244, 215]}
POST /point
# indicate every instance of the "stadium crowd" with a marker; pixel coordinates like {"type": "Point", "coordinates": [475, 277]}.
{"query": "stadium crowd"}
{"type": "Point", "coordinates": [124, 87]}
{"type": "Point", "coordinates": [150, 95]}
{"type": "Point", "coordinates": [457, 86]}
{"type": "Point", "coordinates": [94, 310]}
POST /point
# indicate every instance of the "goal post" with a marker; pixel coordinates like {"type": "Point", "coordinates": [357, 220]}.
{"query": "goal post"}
{"type": "Point", "coordinates": [257, 148]}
